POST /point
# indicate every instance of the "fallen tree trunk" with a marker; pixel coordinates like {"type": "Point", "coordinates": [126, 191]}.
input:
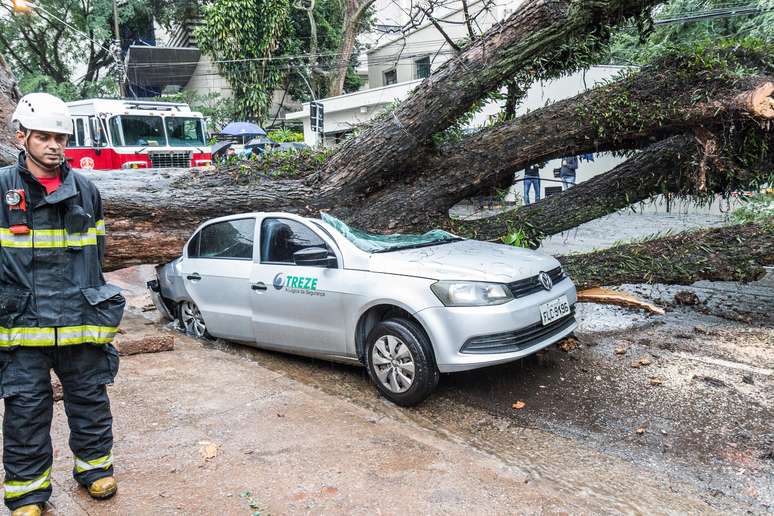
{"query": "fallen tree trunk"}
{"type": "Point", "coordinates": [730, 253]}
{"type": "Point", "coordinates": [541, 40]}
{"type": "Point", "coordinates": [669, 166]}
{"type": "Point", "coordinates": [9, 96]}
{"type": "Point", "coordinates": [150, 214]}
{"type": "Point", "coordinates": [589, 122]}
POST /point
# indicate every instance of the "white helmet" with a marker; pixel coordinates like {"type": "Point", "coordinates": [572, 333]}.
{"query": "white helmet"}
{"type": "Point", "coordinates": [43, 112]}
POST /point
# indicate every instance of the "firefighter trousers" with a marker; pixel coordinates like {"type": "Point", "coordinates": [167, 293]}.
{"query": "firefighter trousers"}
{"type": "Point", "coordinates": [84, 371]}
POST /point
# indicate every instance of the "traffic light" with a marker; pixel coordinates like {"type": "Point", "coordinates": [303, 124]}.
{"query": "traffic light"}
{"type": "Point", "coordinates": [21, 6]}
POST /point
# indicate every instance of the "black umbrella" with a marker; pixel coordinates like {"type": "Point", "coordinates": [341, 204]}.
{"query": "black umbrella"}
{"type": "Point", "coordinates": [219, 149]}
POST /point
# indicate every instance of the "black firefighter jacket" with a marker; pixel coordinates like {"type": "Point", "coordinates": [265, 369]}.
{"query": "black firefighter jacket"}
{"type": "Point", "coordinates": [52, 291]}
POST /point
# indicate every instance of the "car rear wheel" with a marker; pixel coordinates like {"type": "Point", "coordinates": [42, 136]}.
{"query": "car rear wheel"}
{"type": "Point", "coordinates": [400, 362]}
{"type": "Point", "coordinates": [192, 320]}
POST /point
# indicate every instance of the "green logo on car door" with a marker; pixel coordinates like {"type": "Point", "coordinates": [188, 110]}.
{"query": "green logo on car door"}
{"type": "Point", "coordinates": [297, 284]}
{"type": "Point", "coordinates": [301, 282]}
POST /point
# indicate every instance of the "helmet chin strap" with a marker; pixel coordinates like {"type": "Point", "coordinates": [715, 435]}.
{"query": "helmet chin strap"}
{"type": "Point", "coordinates": [49, 168]}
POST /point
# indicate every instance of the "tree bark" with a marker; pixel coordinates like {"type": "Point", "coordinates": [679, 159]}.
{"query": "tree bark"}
{"type": "Point", "coordinates": [730, 253]}
{"type": "Point", "coordinates": [9, 96]}
{"type": "Point", "coordinates": [353, 16]}
{"type": "Point", "coordinates": [147, 226]}
{"type": "Point", "coordinates": [668, 166]}
{"type": "Point", "coordinates": [562, 129]}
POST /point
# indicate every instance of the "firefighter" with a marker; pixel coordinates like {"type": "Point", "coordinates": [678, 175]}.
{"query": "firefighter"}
{"type": "Point", "coordinates": [56, 312]}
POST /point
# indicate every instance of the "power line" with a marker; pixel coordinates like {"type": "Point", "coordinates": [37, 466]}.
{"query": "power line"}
{"type": "Point", "coordinates": [691, 16]}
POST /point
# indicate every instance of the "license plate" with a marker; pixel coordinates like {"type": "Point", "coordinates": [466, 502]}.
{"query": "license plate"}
{"type": "Point", "coordinates": [554, 310]}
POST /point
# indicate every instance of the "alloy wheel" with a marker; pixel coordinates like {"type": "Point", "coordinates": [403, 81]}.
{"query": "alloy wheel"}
{"type": "Point", "coordinates": [393, 363]}
{"type": "Point", "coordinates": [192, 320]}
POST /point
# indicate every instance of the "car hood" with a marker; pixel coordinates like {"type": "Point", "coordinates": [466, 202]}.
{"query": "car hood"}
{"type": "Point", "coordinates": [464, 260]}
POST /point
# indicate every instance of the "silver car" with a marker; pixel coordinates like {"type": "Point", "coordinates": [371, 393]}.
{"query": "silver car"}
{"type": "Point", "coordinates": [407, 307]}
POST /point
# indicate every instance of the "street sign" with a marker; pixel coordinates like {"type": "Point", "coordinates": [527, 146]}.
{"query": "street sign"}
{"type": "Point", "coordinates": [317, 116]}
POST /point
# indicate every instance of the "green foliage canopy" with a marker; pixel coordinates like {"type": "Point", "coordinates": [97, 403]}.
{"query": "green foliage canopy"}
{"type": "Point", "coordinates": [47, 46]}
{"type": "Point", "coordinates": [244, 36]}
{"type": "Point", "coordinates": [631, 46]}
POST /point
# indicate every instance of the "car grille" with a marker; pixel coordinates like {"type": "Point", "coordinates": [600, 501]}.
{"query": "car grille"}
{"type": "Point", "coordinates": [170, 159]}
{"type": "Point", "coordinates": [531, 285]}
{"type": "Point", "coordinates": [517, 340]}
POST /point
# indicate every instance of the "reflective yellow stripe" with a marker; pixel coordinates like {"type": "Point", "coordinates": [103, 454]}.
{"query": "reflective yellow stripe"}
{"type": "Point", "coordinates": [50, 238]}
{"type": "Point", "coordinates": [8, 239]}
{"type": "Point", "coordinates": [30, 337]}
{"type": "Point", "coordinates": [69, 335]}
{"type": "Point", "coordinates": [100, 227]}
{"type": "Point", "coordinates": [17, 488]}
{"type": "Point", "coordinates": [88, 465]}
{"type": "Point", "coordinates": [64, 336]}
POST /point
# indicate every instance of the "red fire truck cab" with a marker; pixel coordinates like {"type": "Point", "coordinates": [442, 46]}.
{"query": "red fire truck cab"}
{"type": "Point", "coordinates": [113, 134]}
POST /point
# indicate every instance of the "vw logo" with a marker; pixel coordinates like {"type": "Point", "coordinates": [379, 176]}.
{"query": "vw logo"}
{"type": "Point", "coordinates": [545, 280]}
{"type": "Point", "coordinates": [279, 281]}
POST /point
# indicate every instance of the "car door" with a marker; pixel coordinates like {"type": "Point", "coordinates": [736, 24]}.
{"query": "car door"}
{"type": "Point", "coordinates": [216, 273]}
{"type": "Point", "coordinates": [297, 307]}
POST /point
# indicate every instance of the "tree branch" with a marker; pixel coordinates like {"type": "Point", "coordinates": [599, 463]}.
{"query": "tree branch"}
{"type": "Point", "coordinates": [731, 253]}
{"type": "Point", "coordinates": [552, 31]}
{"type": "Point", "coordinates": [467, 20]}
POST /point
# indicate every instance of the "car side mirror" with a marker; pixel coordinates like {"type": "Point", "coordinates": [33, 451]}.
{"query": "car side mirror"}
{"type": "Point", "coordinates": [313, 257]}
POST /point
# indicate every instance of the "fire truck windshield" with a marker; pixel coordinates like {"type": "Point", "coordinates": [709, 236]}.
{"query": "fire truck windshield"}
{"type": "Point", "coordinates": [185, 132]}
{"type": "Point", "coordinates": [145, 131]}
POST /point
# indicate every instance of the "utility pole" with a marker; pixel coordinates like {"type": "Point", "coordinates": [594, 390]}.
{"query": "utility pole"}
{"type": "Point", "coordinates": [117, 53]}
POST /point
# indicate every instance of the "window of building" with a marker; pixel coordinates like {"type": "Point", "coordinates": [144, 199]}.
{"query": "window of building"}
{"type": "Point", "coordinates": [231, 239]}
{"type": "Point", "coordinates": [390, 77]}
{"type": "Point", "coordinates": [422, 67]}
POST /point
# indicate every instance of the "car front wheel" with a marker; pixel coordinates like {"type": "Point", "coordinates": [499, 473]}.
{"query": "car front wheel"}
{"type": "Point", "coordinates": [400, 361]}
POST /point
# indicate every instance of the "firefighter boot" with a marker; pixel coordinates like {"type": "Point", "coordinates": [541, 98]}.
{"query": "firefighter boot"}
{"type": "Point", "coordinates": [34, 509]}
{"type": "Point", "coordinates": [104, 487]}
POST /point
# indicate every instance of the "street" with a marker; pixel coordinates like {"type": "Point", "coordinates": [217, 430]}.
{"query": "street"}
{"type": "Point", "coordinates": [221, 428]}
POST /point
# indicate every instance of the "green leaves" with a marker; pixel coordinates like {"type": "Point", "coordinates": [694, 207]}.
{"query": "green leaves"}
{"type": "Point", "coordinates": [516, 238]}
{"type": "Point", "coordinates": [242, 37]}
{"type": "Point", "coordinates": [44, 52]}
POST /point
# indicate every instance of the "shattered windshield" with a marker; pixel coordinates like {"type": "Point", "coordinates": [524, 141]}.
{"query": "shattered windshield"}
{"type": "Point", "coordinates": [372, 243]}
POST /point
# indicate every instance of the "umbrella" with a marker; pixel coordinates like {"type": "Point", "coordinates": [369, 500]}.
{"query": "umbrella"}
{"type": "Point", "coordinates": [243, 129]}
{"type": "Point", "coordinates": [259, 141]}
{"type": "Point", "coordinates": [220, 148]}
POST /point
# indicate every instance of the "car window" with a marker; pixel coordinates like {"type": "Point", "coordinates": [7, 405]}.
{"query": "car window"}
{"type": "Point", "coordinates": [230, 239]}
{"type": "Point", "coordinates": [280, 238]}
{"type": "Point", "coordinates": [193, 246]}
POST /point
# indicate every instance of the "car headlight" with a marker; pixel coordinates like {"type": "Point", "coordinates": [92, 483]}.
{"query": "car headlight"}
{"type": "Point", "coordinates": [471, 293]}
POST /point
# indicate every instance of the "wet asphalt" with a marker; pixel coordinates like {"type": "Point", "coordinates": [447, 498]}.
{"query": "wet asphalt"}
{"type": "Point", "coordinates": [687, 394]}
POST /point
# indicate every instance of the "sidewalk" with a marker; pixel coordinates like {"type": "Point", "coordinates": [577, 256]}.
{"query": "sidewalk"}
{"type": "Point", "coordinates": [196, 429]}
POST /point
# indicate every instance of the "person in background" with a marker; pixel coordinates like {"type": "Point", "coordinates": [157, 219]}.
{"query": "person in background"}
{"type": "Point", "coordinates": [567, 173]}
{"type": "Point", "coordinates": [532, 179]}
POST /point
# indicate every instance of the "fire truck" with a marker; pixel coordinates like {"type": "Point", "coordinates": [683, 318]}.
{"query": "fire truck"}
{"type": "Point", "coordinates": [113, 134]}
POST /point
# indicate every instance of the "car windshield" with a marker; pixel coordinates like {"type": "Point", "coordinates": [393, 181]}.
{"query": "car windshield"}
{"type": "Point", "coordinates": [372, 243]}
{"type": "Point", "coordinates": [185, 132]}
